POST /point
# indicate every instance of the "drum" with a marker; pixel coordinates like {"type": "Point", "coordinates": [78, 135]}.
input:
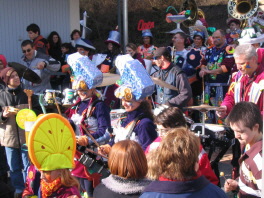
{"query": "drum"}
{"type": "Point", "coordinates": [94, 165]}
{"type": "Point", "coordinates": [48, 97]}
{"type": "Point", "coordinates": [212, 131]}
{"type": "Point", "coordinates": [69, 97]}
{"type": "Point", "coordinates": [115, 115]}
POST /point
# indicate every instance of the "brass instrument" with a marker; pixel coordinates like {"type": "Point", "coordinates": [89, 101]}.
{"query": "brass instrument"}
{"type": "Point", "coordinates": [190, 5]}
{"type": "Point", "coordinates": [242, 9]}
{"type": "Point", "coordinates": [201, 14]}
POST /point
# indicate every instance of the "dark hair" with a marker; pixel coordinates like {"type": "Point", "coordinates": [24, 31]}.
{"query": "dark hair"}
{"type": "Point", "coordinates": [171, 117]}
{"type": "Point", "coordinates": [187, 40]}
{"type": "Point", "coordinates": [27, 42]}
{"type": "Point", "coordinates": [69, 47]}
{"type": "Point", "coordinates": [116, 49]}
{"type": "Point", "coordinates": [132, 46]}
{"type": "Point", "coordinates": [146, 109]}
{"type": "Point", "coordinates": [75, 31]}
{"type": "Point", "coordinates": [246, 112]}
{"type": "Point", "coordinates": [203, 44]}
{"type": "Point", "coordinates": [127, 160]}
{"type": "Point", "coordinates": [50, 39]}
{"type": "Point", "coordinates": [164, 51]}
{"type": "Point", "coordinates": [34, 28]}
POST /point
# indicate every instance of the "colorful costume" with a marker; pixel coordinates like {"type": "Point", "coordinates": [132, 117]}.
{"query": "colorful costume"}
{"type": "Point", "coordinates": [51, 147]}
{"type": "Point", "coordinates": [245, 88]}
{"type": "Point", "coordinates": [146, 51]}
{"type": "Point", "coordinates": [250, 179]}
{"type": "Point", "coordinates": [136, 85]}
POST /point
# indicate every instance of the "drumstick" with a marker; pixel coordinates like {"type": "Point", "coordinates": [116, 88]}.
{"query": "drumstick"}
{"type": "Point", "coordinates": [88, 133]}
{"type": "Point", "coordinates": [90, 150]}
{"type": "Point", "coordinates": [56, 102]}
{"type": "Point", "coordinates": [203, 88]}
{"type": "Point", "coordinates": [29, 93]}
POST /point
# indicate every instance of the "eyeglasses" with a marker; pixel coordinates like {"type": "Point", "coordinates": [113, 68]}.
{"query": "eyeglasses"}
{"type": "Point", "coordinates": [156, 57]}
{"type": "Point", "coordinates": [27, 50]}
{"type": "Point", "coordinates": [164, 131]}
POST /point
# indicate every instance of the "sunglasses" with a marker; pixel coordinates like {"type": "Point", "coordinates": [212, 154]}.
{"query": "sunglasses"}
{"type": "Point", "coordinates": [24, 51]}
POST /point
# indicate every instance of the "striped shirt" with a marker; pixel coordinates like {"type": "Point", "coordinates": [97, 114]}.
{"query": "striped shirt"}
{"type": "Point", "coordinates": [251, 172]}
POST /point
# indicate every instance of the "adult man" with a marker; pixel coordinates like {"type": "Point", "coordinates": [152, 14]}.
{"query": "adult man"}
{"type": "Point", "coordinates": [41, 64]}
{"type": "Point", "coordinates": [39, 42]}
{"type": "Point", "coordinates": [178, 51]}
{"type": "Point", "coordinates": [172, 75]}
{"type": "Point", "coordinates": [248, 130]}
{"type": "Point", "coordinates": [248, 82]}
{"type": "Point", "coordinates": [216, 68]}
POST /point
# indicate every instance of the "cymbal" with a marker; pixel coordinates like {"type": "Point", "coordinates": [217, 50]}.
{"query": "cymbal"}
{"type": "Point", "coordinates": [109, 79]}
{"type": "Point", "coordinates": [163, 84]}
{"type": "Point", "coordinates": [202, 108]}
{"type": "Point", "coordinates": [25, 72]}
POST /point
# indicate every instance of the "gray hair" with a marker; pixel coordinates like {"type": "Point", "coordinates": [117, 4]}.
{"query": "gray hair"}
{"type": "Point", "coordinates": [246, 49]}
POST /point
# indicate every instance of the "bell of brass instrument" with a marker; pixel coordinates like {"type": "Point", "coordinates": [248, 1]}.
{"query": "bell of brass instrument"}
{"type": "Point", "coordinates": [190, 5]}
{"type": "Point", "coordinates": [242, 9]}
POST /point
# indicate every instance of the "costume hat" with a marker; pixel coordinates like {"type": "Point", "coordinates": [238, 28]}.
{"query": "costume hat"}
{"type": "Point", "coordinates": [146, 32]}
{"type": "Point", "coordinates": [85, 73]}
{"type": "Point", "coordinates": [200, 31]}
{"type": "Point", "coordinates": [251, 35]}
{"type": "Point", "coordinates": [52, 144]}
{"type": "Point", "coordinates": [5, 74]}
{"type": "Point", "coordinates": [135, 81]}
{"type": "Point", "coordinates": [85, 43]}
{"type": "Point", "coordinates": [114, 37]}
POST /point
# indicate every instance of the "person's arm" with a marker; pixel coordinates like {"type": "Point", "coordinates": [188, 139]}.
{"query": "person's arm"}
{"type": "Point", "coordinates": [146, 132]}
{"type": "Point", "coordinates": [102, 114]}
{"type": "Point", "coordinates": [185, 92]}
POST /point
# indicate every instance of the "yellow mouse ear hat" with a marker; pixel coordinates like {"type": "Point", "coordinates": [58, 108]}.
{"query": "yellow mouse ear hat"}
{"type": "Point", "coordinates": [52, 143]}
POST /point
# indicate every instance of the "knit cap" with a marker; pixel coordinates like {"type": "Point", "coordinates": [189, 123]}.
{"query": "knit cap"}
{"type": "Point", "coordinates": [5, 74]}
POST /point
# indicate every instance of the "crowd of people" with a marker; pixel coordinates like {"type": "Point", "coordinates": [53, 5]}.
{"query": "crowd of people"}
{"type": "Point", "coordinates": [148, 154]}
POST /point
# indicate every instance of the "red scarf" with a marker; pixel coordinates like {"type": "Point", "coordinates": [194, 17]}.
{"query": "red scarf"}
{"type": "Point", "coordinates": [48, 188]}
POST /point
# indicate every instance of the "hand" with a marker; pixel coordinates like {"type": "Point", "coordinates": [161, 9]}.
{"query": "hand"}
{"type": "Point", "coordinates": [82, 140]}
{"type": "Point", "coordinates": [204, 72]}
{"type": "Point", "coordinates": [230, 185]}
{"type": "Point", "coordinates": [221, 112]}
{"type": "Point", "coordinates": [104, 149]}
{"type": "Point", "coordinates": [41, 65]}
{"type": "Point", "coordinates": [6, 113]}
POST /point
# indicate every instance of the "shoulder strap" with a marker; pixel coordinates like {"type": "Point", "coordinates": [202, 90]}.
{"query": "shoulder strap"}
{"type": "Point", "coordinates": [133, 126]}
{"type": "Point", "coordinates": [91, 108]}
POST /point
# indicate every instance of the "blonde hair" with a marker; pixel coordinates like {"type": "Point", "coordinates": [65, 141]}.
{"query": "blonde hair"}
{"type": "Point", "coordinates": [67, 179]}
{"type": "Point", "coordinates": [177, 155]}
{"type": "Point", "coordinates": [152, 165]}
{"type": "Point", "coordinates": [127, 160]}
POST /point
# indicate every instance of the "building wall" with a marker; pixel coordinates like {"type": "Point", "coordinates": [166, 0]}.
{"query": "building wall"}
{"type": "Point", "coordinates": [50, 15]}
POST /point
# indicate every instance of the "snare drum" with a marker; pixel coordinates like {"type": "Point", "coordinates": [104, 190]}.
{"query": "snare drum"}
{"type": "Point", "coordinates": [115, 115]}
{"type": "Point", "coordinates": [214, 131]}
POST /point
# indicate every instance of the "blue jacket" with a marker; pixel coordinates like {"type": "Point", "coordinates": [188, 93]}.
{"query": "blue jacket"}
{"type": "Point", "coordinates": [197, 188]}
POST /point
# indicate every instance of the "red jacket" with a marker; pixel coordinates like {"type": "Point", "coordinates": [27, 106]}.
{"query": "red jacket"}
{"type": "Point", "coordinates": [241, 90]}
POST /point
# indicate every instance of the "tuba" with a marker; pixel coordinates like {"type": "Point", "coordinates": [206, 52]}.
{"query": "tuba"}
{"type": "Point", "coordinates": [190, 5]}
{"type": "Point", "coordinates": [242, 9]}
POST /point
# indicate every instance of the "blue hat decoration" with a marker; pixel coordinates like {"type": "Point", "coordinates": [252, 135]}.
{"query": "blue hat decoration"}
{"type": "Point", "coordinates": [135, 81]}
{"type": "Point", "coordinates": [85, 43]}
{"type": "Point", "coordinates": [114, 37]}
{"type": "Point", "coordinates": [146, 32]}
{"type": "Point", "coordinates": [86, 74]}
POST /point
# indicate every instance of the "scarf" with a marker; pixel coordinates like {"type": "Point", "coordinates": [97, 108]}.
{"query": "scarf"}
{"type": "Point", "coordinates": [48, 188]}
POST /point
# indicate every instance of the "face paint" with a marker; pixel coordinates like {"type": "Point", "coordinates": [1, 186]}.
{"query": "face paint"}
{"type": "Point", "coordinates": [247, 66]}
